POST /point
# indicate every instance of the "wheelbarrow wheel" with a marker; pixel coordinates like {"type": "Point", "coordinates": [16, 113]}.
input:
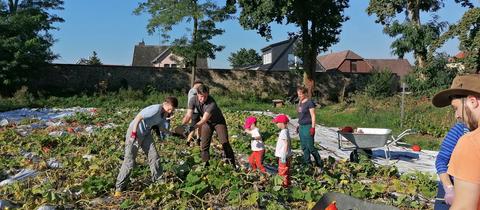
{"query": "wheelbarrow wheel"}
{"type": "Point", "coordinates": [356, 153]}
{"type": "Point", "coordinates": [354, 156]}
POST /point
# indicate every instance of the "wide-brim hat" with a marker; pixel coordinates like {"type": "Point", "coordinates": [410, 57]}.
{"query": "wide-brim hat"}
{"type": "Point", "coordinates": [461, 86]}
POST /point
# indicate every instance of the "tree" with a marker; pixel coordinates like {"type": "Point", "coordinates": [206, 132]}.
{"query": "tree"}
{"type": "Point", "coordinates": [93, 60]}
{"type": "Point", "coordinates": [244, 57]}
{"type": "Point", "coordinates": [25, 40]}
{"type": "Point", "coordinates": [436, 76]}
{"type": "Point", "coordinates": [319, 25]}
{"type": "Point", "coordinates": [412, 35]}
{"type": "Point", "coordinates": [165, 14]}
{"type": "Point", "coordinates": [468, 32]}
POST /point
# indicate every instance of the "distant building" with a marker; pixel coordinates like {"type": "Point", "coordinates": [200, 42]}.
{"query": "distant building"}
{"type": "Point", "coordinates": [280, 57]}
{"type": "Point", "coordinates": [160, 56]}
{"type": "Point", "coordinates": [349, 61]}
{"type": "Point", "coordinates": [454, 62]}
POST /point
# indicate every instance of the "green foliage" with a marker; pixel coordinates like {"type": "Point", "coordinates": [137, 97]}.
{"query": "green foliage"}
{"type": "Point", "coordinates": [468, 31]}
{"type": "Point", "coordinates": [430, 79]}
{"type": "Point", "coordinates": [411, 35]}
{"type": "Point", "coordinates": [319, 24]}
{"type": "Point", "coordinates": [25, 40]}
{"type": "Point", "coordinates": [165, 14]}
{"type": "Point", "coordinates": [93, 60]}
{"type": "Point", "coordinates": [186, 183]}
{"type": "Point", "coordinates": [244, 57]}
{"type": "Point", "coordinates": [382, 84]}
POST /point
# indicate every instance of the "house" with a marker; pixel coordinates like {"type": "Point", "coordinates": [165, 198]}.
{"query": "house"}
{"type": "Point", "coordinates": [454, 62]}
{"type": "Point", "coordinates": [160, 56]}
{"type": "Point", "coordinates": [349, 61]}
{"type": "Point", "coordinates": [344, 61]}
{"type": "Point", "coordinates": [280, 57]}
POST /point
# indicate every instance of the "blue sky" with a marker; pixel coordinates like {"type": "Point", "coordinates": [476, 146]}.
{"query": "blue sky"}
{"type": "Point", "coordinates": [109, 28]}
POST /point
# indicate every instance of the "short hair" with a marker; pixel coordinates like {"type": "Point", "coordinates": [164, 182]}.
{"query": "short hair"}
{"type": "Point", "coordinates": [202, 89]}
{"type": "Point", "coordinates": [302, 89]}
{"type": "Point", "coordinates": [198, 82]}
{"type": "Point", "coordinates": [172, 101]}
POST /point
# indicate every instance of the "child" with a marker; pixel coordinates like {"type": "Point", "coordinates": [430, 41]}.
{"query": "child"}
{"type": "Point", "coordinates": [139, 135]}
{"type": "Point", "coordinates": [283, 150]}
{"type": "Point", "coordinates": [258, 149]}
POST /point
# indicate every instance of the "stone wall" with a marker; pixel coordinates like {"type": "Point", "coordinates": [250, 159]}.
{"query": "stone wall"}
{"type": "Point", "coordinates": [68, 79]}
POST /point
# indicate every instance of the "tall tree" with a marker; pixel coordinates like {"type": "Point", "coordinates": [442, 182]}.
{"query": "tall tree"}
{"type": "Point", "coordinates": [93, 60]}
{"type": "Point", "coordinates": [468, 32]}
{"type": "Point", "coordinates": [25, 40]}
{"type": "Point", "coordinates": [319, 25]}
{"type": "Point", "coordinates": [244, 57]}
{"type": "Point", "coordinates": [203, 15]}
{"type": "Point", "coordinates": [412, 35]}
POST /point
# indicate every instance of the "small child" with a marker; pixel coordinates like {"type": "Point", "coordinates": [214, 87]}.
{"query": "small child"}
{"type": "Point", "coordinates": [258, 148]}
{"type": "Point", "coordinates": [283, 150]}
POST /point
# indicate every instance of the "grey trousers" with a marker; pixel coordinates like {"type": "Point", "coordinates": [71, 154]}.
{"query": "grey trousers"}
{"type": "Point", "coordinates": [131, 151]}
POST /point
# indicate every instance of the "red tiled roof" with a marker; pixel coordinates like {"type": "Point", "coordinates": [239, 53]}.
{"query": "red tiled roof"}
{"type": "Point", "coordinates": [460, 55]}
{"type": "Point", "coordinates": [401, 67]}
{"type": "Point", "coordinates": [334, 60]}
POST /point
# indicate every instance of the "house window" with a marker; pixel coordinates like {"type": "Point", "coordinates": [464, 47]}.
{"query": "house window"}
{"type": "Point", "coordinates": [294, 61]}
{"type": "Point", "coordinates": [267, 58]}
{"type": "Point", "coordinates": [173, 65]}
{"type": "Point", "coordinates": [353, 66]}
{"type": "Point", "coordinates": [166, 65]}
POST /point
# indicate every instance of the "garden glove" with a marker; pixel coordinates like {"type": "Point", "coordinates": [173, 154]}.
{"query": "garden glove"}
{"type": "Point", "coordinates": [283, 160]}
{"type": "Point", "coordinates": [188, 129]}
{"type": "Point", "coordinates": [133, 135]}
{"type": "Point", "coordinates": [449, 194]}
{"type": "Point", "coordinates": [312, 131]}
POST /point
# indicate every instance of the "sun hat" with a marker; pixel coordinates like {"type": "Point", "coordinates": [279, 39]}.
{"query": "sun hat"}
{"type": "Point", "coordinates": [461, 86]}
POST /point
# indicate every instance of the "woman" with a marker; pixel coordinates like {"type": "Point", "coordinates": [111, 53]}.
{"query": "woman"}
{"type": "Point", "coordinates": [306, 129]}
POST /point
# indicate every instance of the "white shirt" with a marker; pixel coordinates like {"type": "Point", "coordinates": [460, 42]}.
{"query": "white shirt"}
{"type": "Point", "coordinates": [257, 145]}
{"type": "Point", "coordinates": [283, 148]}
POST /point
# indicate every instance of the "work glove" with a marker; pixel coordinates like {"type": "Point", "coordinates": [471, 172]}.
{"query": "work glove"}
{"type": "Point", "coordinates": [312, 131]}
{"type": "Point", "coordinates": [133, 135]}
{"type": "Point", "coordinates": [449, 194]}
{"type": "Point", "coordinates": [283, 159]}
{"type": "Point", "coordinates": [188, 129]}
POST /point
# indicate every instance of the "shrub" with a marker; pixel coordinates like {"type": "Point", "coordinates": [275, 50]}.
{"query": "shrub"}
{"type": "Point", "coordinates": [382, 84]}
{"type": "Point", "coordinates": [432, 78]}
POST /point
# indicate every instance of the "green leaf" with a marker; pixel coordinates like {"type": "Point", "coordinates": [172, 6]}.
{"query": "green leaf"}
{"type": "Point", "coordinates": [297, 193]}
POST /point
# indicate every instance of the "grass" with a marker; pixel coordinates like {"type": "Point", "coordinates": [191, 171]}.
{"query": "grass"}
{"type": "Point", "coordinates": [432, 123]}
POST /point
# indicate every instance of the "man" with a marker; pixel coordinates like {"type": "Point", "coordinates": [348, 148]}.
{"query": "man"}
{"type": "Point", "coordinates": [464, 163]}
{"type": "Point", "coordinates": [192, 94]}
{"type": "Point", "coordinates": [212, 119]}
{"type": "Point", "coordinates": [139, 134]}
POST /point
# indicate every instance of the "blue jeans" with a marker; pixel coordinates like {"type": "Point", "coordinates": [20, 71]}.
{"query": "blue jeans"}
{"type": "Point", "coordinates": [440, 204]}
{"type": "Point", "coordinates": [166, 125]}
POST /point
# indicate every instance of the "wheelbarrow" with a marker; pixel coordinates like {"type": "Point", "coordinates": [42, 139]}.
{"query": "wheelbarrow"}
{"type": "Point", "coordinates": [348, 202]}
{"type": "Point", "coordinates": [365, 139]}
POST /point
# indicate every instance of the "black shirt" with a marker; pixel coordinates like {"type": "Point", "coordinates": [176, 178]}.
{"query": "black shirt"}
{"type": "Point", "coordinates": [210, 106]}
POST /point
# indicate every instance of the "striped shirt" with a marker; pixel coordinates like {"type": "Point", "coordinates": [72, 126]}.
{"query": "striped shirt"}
{"type": "Point", "coordinates": [448, 144]}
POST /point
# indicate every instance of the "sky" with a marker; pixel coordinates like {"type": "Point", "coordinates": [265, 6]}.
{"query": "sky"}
{"type": "Point", "coordinates": [109, 28]}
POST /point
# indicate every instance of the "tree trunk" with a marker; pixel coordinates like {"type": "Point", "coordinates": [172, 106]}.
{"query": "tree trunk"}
{"type": "Point", "coordinates": [413, 8]}
{"type": "Point", "coordinates": [308, 71]}
{"type": "Point", "coordinates": [12, 6]}
{"type": "Point", "coordinates": [194, 62]}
